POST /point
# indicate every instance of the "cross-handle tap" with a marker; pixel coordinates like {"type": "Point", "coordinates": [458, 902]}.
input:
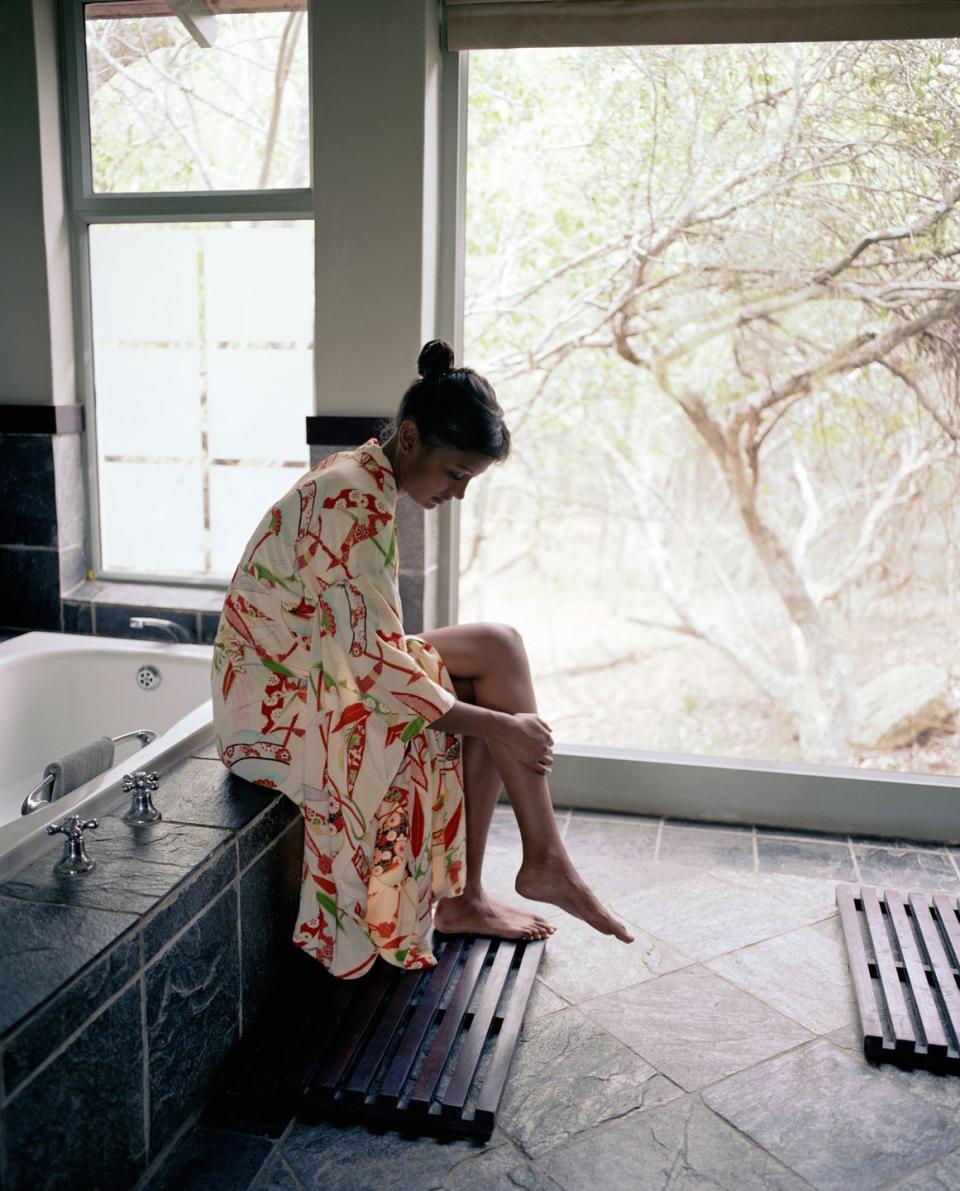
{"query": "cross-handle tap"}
{"type": "Point", "coordinates": [75, 859]}
{"type": "Point", "coordinates": [142, 785]}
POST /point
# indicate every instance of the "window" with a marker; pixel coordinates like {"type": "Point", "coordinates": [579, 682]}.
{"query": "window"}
{"type": "Point", "coordinates": [193, 214]}
{"type": "Point", "coordinates": [716, 290]}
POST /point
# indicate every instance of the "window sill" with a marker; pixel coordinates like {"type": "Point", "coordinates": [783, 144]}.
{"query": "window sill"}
{"type": "Point", "coordinates": [104, 608]}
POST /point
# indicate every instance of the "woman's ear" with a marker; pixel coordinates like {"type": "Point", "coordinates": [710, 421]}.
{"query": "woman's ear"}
{"type": "Point", "coordinates": [408, 436]}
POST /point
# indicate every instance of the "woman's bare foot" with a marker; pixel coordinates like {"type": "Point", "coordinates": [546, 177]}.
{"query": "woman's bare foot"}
{"type": "Point", "coordinates": [560, 884]}
{"type": "Point", "coordinates": [488, 916]}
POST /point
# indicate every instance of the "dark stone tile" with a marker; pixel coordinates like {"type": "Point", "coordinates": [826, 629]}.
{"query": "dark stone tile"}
{"type": "Point", "coordinates": [43, 946]}
{"type": "Point", "coordinates": [906, 868]}
{"type": "Point", "coordinates": [157, 595]}
{"type": "Point", "coordinates": [688, 843]}
{"type": "Point", "coordinates": [694, 1027]}
{"type": "Point", "coordinates": [830, 837]}
{"type": "Point", "coordinates": [209, 1161]}
{"type": "Point", "coordinates": [263, 830]}
{"type": "Point", "coordinates": [27, 491]}
{"type": "Point", "coordinates": [498, 1165]}
{"type": "Point", "coordinates": [209, 623]}
{"type": "Point", "coordinates": [813, 857]}
{"type": "Point", "coordinates": [210, 796]}
{"type": "Point", "coordinates": [44, 1030]}
{"type": "Point", "coordinates": [136, 866]}
{"type": "Point", "coordinates": [114, 621]}
{"type": "Point", "coordinates": [77, 617]}
{"type": "Point", "coordinates": [704, 824]}
{"type": "Point", "coordinates": [942, 1091]}
{"type": "Point", "coordinates": [707, 914]}
{"type": "Point", "coordinates": [849, 1128]}
{"type": "Point", "coordinates": [30, 588]}
{"type": "Point", "coordinates": [578, 964]}
{"type": "Point", "coordinates": [79, 1122]}
{"type": "Point", "coordinates": [569, 1075]}
{"type": "Point", "coordinates": [331, 1157]}
{"type": "Point", "coordinates": [188, 900]}
{"type": "Point", "coordinates": [938, 1176]}
{"type": "Point", "coordinates": [882, 841]}
{"type": "Point", "coordinates": [680, 1145]}
{"type": "Point", "coordinates": [269, 897]}
{"type": "Point", "coordinates": [610, 855]}
{"type": "Point", "coordinates": [192, 993]}
{"type": "Point", "coordinates": [279, 1177]}
{"type": "Point", "coordinates": [803, 974]}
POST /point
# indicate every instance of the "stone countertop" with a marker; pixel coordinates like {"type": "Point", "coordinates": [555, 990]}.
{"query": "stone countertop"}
{"type": "Point", "coordinates": [53, 928]}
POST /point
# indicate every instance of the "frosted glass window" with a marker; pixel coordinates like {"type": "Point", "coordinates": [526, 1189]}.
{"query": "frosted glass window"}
{"type": "Point", "coordinates": [216, 363]}
{"type": "Point", "coordinates": [257, 401]}
{"type": "Point", "coordinates": [144, 283]}
{"type": "Point", "coordinates": [259, 284]}
{"type": "Point", "coordinates": [148, 401]}
{"type": "Point", "coordinates": [239, 497]}
{"type": "Point", "coordinates": [151, 517]}
{"type": "Point", "coordinates": [216, 101]}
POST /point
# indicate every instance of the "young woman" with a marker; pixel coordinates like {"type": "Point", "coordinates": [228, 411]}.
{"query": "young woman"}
{"type": "Point", "coordinates": [318, 692]}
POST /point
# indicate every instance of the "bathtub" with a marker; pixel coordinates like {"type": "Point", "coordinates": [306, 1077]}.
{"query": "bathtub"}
{"type": "Point", "coordinates": [61, 690]}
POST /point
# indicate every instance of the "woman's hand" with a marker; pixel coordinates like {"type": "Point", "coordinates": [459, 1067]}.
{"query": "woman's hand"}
{"type": "Point", "coordinates": [528, 739]}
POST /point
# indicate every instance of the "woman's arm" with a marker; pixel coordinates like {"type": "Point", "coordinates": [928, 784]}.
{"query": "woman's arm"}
{"type": "Point", "coordinates": [471, 720]}
{"type": "Point", "coordinates": [523, 734]}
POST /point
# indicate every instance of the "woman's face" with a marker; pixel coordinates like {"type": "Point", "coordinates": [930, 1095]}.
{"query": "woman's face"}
{"type": "Point", "coordinates": [431, 478]}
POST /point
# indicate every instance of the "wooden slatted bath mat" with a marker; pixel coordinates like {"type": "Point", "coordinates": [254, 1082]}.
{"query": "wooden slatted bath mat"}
{"type": "Point", "coordinates": [426, 1051]}
{"type": "Point", "coordinates": [904, 953]}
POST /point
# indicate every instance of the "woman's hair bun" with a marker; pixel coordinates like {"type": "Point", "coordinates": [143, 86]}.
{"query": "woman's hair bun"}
{"type": "Point", "coordinates": [435, 359]}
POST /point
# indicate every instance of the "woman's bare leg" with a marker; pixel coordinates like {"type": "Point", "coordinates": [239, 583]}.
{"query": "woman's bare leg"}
{"type": "Point", "coordinates": [493, 658]}
{"type": "Point", "coordinates": [475, 912]}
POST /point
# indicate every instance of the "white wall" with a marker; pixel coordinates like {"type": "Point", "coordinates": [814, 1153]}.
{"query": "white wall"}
{"type": "Point", "coordinates": [376, 160]}
{"type": "Point", "coordinates": [36, 339]}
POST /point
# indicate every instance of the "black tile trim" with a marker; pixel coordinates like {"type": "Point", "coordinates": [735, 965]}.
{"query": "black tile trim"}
{"type": "Point", "coordinates": [335, 431]}
{"type": "Point", "coordinates": [41, 419]}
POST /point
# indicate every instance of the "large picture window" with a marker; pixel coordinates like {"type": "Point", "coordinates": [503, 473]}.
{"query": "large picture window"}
{"type": "Point", "coordinates": [717, 290]}
{"type": "Point", "coordinates": [191, 193]}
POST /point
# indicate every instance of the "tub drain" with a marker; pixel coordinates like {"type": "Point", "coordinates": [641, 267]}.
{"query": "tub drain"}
{"type": "Point", "coordinates": [148, 678]}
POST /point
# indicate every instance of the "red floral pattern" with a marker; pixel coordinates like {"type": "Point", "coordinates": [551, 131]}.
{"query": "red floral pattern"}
{"type": "Point", "coordinates": [318, 692]}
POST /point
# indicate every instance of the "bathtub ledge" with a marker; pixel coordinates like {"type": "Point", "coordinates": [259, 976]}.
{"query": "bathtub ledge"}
{"type": "Point", "coordinates": [191, 913]}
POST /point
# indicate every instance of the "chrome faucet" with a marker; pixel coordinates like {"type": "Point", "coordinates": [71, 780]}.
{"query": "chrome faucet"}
{"type": "Point", "coordinates": [177, 631]}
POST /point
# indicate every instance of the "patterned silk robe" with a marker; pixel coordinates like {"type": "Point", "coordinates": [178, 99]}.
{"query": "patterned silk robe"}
{"type": "Point", "coordinates": [318, 692]}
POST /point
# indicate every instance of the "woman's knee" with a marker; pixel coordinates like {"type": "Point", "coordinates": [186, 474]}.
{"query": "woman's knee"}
{"type": "Point", "coordinates": [504, 643]}
{"type": "Point", "coordinates": [505, 657]}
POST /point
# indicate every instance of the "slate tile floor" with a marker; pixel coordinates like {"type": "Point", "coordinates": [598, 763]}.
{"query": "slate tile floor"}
{"type": "Point", "coordinates": [720, 1050]}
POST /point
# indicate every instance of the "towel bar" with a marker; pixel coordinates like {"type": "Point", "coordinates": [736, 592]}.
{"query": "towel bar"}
{"type": "Point", "coordinates": [35, 799]}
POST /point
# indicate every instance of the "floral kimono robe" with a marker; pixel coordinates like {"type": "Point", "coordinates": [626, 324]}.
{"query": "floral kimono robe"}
{"type": "Point", "coordinates": [318, 693]}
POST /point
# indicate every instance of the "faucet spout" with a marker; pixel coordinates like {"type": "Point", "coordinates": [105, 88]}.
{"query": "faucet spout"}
{"type": "Point", "coordinates": [176, 631]}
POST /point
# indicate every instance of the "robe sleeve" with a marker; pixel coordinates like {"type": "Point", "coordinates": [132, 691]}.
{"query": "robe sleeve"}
{"type": "Point", "coordinates": [360, 624]}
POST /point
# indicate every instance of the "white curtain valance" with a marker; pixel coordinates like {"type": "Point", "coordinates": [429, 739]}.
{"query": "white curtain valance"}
{"type": "Point", "coordinates": [484, 24]}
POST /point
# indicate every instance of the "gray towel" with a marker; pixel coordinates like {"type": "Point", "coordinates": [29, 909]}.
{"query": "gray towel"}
{"type": "Point", "coordinates": [82, 765]}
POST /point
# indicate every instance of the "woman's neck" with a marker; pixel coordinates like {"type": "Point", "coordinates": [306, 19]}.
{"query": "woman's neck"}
{"type": "Point", "coordinates": [390, 449]}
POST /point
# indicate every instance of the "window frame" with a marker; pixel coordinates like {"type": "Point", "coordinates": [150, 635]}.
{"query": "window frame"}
{"type": "Point", "coordinates": [85, 207]}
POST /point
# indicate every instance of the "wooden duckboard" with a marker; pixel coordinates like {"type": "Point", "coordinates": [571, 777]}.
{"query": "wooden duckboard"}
{"type": "Point", "coordinates": [425, 1051]}
{"type": "Point", "coordinates": [904, 953]}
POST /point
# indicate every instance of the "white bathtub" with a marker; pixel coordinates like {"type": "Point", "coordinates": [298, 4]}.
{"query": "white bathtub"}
{"type": "Point", "coordinates": [60, 690]}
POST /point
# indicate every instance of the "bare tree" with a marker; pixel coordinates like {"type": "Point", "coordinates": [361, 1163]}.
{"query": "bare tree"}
{"type": "Point", "coordinates": [795, 240]}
